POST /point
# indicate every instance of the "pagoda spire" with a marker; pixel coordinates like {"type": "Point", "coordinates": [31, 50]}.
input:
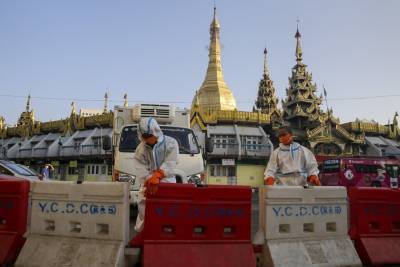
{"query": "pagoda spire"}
{"type": "Point", "coordinates": [105, 103]}
{"type": "Point", "coordinates": [214, 55]}
{"type": "Point", "coordinates": [266, 71]}
{"type": "Point", "coordinates": [266, 98]}
{"type": "Point", "coordinates": [301, 108]}
{"type": "Point", "coordinates": [28, 104]}
{"type": "Point", "coordinates": [125, 100]}
{"type": "Point", "coordinates": [73, 108]}
{"type": "Point", "coordinates": [214, 94]}
{"type": "Point", "coordinates": [299, 52]}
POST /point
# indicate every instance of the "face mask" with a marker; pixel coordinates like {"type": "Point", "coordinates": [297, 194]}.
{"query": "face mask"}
{"type": "Point", "coordinates": [286, 139]}
{"type": "Point", "coordinates": [151, 141]}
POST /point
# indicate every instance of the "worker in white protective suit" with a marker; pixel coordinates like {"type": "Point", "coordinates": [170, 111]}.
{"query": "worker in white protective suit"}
{"type": "Point", "coordinates": [155, 161]}
{"type": "Point", "coordinates": [291, 163]}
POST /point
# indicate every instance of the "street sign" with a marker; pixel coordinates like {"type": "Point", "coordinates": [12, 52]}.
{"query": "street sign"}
{"type": "Point", "coordinates": [73, 164]}
{"type": "Point", "coordinates": [228, 162]}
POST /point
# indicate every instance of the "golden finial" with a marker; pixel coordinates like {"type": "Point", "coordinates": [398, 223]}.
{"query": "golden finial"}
{"type": "Point", "coordinates": [125, 100]}
{"type": "Point", "coordinates": [215, 22]}
{"type": "Point", "coordinates": [266, 71]}
{"type": "Point", "coordinates": [299, 53]}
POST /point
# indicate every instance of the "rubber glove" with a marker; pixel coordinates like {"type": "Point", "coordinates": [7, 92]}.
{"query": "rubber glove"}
{"type": "Point", "coordinates": [269, 181]}
{"type": "Point", "coordinates": [314, 180]}
{"type": "Point", "coordinates": [152, 182]}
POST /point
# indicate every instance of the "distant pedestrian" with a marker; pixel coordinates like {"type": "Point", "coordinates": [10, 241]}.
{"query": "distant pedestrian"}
{"type": "Point", "coordinates": [46, 171]}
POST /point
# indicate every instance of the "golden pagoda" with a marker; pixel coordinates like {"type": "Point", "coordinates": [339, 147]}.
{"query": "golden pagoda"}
{"type": "Point", "coordinates": [214, 94]}
{"type": "Point", "coordinates": [28, 116]}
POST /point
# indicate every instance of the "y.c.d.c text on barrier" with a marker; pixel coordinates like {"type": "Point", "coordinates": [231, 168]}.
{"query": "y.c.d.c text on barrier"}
{"type": "Point", "coordinates": [306, 210]}
{"type": "Point", "coordinates": [85, 208]}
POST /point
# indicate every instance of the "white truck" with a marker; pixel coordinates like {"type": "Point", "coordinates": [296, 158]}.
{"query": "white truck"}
{"type": "Point", "coordinates": [173, 122]}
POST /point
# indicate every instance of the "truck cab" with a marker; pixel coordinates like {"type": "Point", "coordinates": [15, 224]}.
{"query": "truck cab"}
{"type": "Point", "coordinates": [173, 122]}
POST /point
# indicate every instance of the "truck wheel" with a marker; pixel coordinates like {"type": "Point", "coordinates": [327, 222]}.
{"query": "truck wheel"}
{"type": "Point", "coordinates": [376, 184]}
{"type": "Point", "coordinates": [178, 179]}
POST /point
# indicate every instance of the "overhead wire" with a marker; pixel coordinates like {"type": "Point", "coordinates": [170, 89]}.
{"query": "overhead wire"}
{"type": "Point", "coordinates": [180, 102]}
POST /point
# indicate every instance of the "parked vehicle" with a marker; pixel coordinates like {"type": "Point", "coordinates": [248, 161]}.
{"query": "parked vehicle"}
{"type": "Point", "coordinates": [361, 172]}
{"type": "Point", "coordinates": [40, 176]}
{"type": "Point", "coordinates": [13, 169]}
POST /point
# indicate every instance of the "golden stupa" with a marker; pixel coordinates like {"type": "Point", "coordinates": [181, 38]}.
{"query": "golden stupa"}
{"type": "Point", "coordinates": [214, 94]}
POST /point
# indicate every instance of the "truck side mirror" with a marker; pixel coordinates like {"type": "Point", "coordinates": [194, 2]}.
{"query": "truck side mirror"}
{"type": "Point", "coordinates": [106, 143]}
{"type": "Point", "coordinates": [209, 145]}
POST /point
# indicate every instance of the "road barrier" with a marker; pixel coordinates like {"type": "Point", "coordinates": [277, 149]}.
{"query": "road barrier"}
{"type": "Point", "coordinates": [306, 227]}
{"type": "Point", "coordinates": [77, 224]}
{"type": "Point", "coordinates": [14, 199]}
{"type": "Point", "coordinates": [375, 224]}
{"type": "Point", "coordinates": [198, 226]}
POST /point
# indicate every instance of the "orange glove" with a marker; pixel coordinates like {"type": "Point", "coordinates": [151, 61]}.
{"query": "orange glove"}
{"type": "Point", "coordinates": [151, 183]}
{"type": "Point", "coordinates": [269, 181]}
{"type": "Point", "coordinates": [314, 180]}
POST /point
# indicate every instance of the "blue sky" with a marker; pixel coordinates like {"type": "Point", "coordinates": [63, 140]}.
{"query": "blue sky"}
{"type": "Point", "coordinates": [156, 51]}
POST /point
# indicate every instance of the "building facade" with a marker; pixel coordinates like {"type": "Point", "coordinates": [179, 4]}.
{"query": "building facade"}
{"type": "Point", "coordinates": [72, 145]}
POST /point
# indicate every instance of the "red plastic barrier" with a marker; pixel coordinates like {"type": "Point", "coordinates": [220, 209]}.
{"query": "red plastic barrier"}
{"type": "Point", "coordinates": [198, 226]}
{"type": "Point", "coordinates": [375, 224]}
{"type": "Point", "coordinates": [14, 197]}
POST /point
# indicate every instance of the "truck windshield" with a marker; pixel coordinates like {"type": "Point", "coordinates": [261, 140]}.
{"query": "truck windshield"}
{"type": "Point", "coordinates": [185, 137]}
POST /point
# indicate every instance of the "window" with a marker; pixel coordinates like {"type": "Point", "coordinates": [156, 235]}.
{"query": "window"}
{"type": "Point", "coordinates": [96, 141]}
{"type": "Point", "coordinates": [218, 143]}
{"type": "Point", "coordinates": [88, 169]}
{"type": "Point", "coordinates": [219, 170]}
{"type": "Point", "coordinates": [93, 172]}
{"type": "Point", "coordinates": [97, 169]}
{"type": "Point", "coordinates": [393, 171]}
{"type": "Point", "coordinates": [12, 167]}
{"type": "Point", "coordinates": [331, 166]}
{"type": "Point", "coordinates": [212, 170]}
{"type": "Point", "coordinates": [77, 143]}
{"type": "Point", "coordinates": [185, 137]}
{"type": "Point", "coordinates": [72, 170]}
{"type": "Point", "coordinates": [252, 142]}
{"type": "Point", "coordinates": [231, 171]}
{"type": "Point", "coordinates": [109, 170]}
{"type": "Point", "coordinates": [5, 171]}
{"type": "Point", "coordinates": [103, 169]}
{"type": "Point", "coordinates": [224, 141]}
{"type": "Point", "coordinates": [362, 168]}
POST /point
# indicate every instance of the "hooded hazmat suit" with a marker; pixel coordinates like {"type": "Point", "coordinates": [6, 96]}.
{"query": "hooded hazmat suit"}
{"type": "Point", "coordinates": [291, 164]}
{"type": "Point", "coordinates": [163, 155]}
